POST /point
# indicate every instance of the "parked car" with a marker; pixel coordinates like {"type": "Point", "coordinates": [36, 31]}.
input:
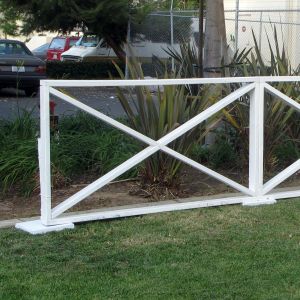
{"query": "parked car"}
{"type": "Point", "coordinates": [19, 68]}
{"type": "Point", "coordinates": [90, 47]}
{"type": "Point", "coordinates": [41, 51]}
{"type": "Point", "coordinates": [59, 45]}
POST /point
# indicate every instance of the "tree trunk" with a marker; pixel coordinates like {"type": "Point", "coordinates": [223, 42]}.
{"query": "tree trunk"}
{"type": "Point", "coordinates": [117, 48]}
{"type": "Point", "coordinates": [215, 45]}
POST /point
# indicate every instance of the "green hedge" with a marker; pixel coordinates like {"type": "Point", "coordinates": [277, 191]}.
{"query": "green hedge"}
{"type": "Point", "coordinates": [81, 145]}
{"type": "Point", "coordinates": [81, 70]}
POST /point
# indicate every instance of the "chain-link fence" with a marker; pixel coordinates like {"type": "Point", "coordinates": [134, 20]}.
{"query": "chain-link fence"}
{"type": "Point", "coordinates": [263, 24]}
{"type": "Point", "coordinates": [159, 32]}
{"type": "Point", "coordinates": [162, 30]}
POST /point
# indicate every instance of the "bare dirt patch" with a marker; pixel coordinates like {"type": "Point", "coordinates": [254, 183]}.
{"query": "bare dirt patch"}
{"type": "Point", "coordinates": [194, 184]}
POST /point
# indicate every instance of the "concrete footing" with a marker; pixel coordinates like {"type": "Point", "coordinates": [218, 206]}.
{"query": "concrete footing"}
{"type": "Point", "coordinates": [36, 227]}
{"type": "Point", "coordinates": [259, 201]}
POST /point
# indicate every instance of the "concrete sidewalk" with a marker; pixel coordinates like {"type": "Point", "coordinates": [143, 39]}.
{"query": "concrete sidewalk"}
{"type": "Point", "coordinates": [13, 222]}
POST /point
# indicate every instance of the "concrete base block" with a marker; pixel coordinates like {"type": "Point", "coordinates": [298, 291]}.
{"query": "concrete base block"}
{"type": "Point", "coordinates": [265, 200]}
{"type": "Point", "coordinates": [36, 227]}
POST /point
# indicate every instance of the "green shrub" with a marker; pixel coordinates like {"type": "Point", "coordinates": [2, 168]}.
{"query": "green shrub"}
{"type": "Point", "coordinates": [19, 166]}
{"type": "Point", "coordinates": [85, 143]}
{"type": "Point", "coordinates": [81, 70]}
{"type": "Point", "coordinates": [221, 154]}
{"type": "Point", "coordinates": [82, 144]}
{"type": "Point", "coordinates": [287, 152]}
{"type": "Point", "coordinates": [18, 153]}
{"type": "Point", "coordinates": [200, 153]}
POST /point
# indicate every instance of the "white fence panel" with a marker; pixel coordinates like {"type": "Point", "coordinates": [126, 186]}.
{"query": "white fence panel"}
{"type": "Point", "coordinates": [255, 194]}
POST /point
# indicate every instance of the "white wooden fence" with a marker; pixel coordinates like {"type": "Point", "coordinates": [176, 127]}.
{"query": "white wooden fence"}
{"type": "Point", "coordinates": [256, 193]}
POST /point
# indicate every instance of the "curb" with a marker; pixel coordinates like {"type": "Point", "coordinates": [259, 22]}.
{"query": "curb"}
{"type": "Point", "coordinates": [13, 222]}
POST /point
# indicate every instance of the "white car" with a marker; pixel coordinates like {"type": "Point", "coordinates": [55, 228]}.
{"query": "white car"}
{"type": "Point", "coordinates": [88, 48]}
{"type": "Point", "coordinates": [93, 48]}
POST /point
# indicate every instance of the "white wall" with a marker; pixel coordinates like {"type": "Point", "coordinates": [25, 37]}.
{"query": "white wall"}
{"type": "Point", "coordinates": [289, 36]}
{"type": "Point", "coordinates": [258, 4]}
{"type": "Point", "coordinates": [38, 40]}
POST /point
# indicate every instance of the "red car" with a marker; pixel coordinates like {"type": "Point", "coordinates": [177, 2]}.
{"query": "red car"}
{"type": "Point", "coordinates": [59, 45]}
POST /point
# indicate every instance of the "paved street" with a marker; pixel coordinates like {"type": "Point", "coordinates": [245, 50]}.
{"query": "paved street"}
{"type": "Point", "coordinates": [102, 99]}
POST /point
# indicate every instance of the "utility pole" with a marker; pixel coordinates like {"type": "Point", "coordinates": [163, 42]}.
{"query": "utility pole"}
{"type": "Point", "coordinates": [237, 8]}
{"type": "Point", "coordinates": [201, 38]}
{"type": "Point", "coordinates": [172, 33]}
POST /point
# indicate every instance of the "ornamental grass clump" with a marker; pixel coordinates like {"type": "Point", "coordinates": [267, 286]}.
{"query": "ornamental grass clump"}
{"type": "Point", "coordinates": [282, 122]}
{"type": "Point", "coordinates": [157, 113]}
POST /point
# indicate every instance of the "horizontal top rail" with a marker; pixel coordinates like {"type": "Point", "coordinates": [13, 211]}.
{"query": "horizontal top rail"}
{"type": "Point", "coordinates": [181, 81]}
{"type": "Point", "coordinates": [262, 10]}
{"type": "Point", "coordinates": [196, 11]}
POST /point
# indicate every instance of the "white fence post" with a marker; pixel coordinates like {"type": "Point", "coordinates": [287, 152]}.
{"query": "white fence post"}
{"type": "Point", "coordinates": [44, 155]}
{"type": "Point", "coordinates": [256, 146]}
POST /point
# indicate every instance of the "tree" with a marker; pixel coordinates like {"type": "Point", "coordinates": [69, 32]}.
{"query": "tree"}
{"type": "Point", "coordinates": [8, 21]}
{"type": "Point", "coordinates": [166, 4]}
{"type": "Point", "coordinates": [107, 18]}
{"type": "Point", "coordinates": [215, 45]}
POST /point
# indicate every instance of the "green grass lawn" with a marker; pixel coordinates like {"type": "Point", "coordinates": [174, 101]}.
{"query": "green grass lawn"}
{"type": "Point", "coordinates": [231, 252]}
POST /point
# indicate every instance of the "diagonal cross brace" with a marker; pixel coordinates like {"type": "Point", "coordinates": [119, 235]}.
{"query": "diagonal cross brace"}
{"type": "Point", "coordinates": [289, 101]}
{"type": "Point", "coordinates": [153, 147]}
{"type": "Point", "coordinates": [282, 176]}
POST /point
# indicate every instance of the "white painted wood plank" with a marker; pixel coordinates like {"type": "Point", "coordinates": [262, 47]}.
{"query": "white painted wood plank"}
{"type": "Point", "coordinates": [286, 194]}
{"type": "Point", "coordinates": [208, 171]}
{"type": "Point", "coordinates": [44, 156]}
{"type": "Point", "coordinates": [148, 82]}
{"type": "Point", "coordinates": [145, 82]}
{"type": "Point", "coordinates": [282, 176]}
{"type": "Point", "coordinates": [151, 209]}
{"type": "Point", "coordinates": [289, 101]}
{"type": "Point", "coordinates": [205, 114]}
{"type": "Point", "coordinates": [147, 210]}
{"type": "Point", "coordinates": [103, 117]}
{"type": "Point", "coordinates": [256, 140]}
{"type": "Point", "coordinates": [97, 184]}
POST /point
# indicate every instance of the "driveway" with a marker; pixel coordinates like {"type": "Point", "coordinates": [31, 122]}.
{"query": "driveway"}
{"type": "Point", "coordinates": [102, 99]}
